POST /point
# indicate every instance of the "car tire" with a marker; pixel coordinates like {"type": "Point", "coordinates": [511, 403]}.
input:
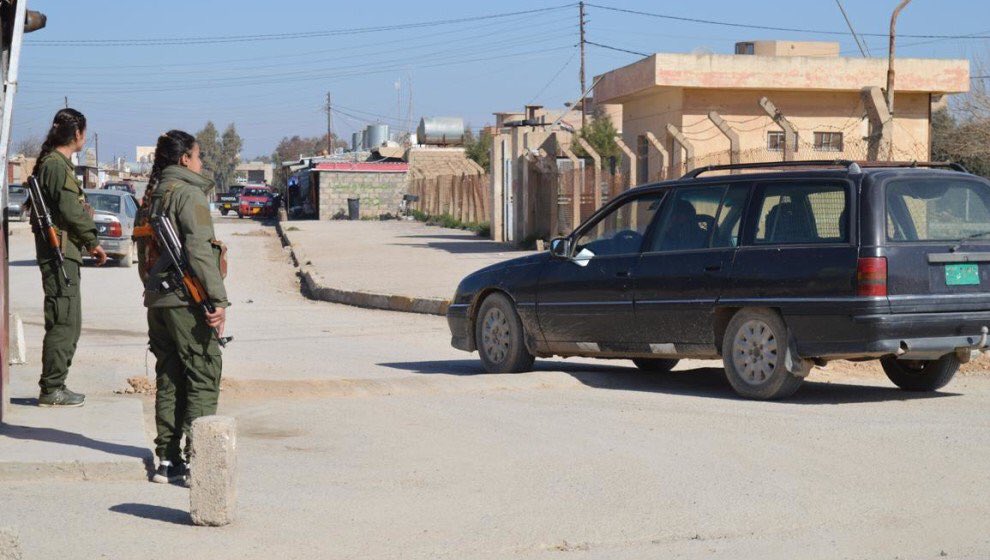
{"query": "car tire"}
{"type": "Point", "coordinates": [127, 261]}
{"type": "Point", "coordinates": [656, 365]}
{"type": "Point", "coordinates": [921, 375]}
{"type": "Point", "coordinates": [224, 212]}
{"type": "Point", "coordinates": [500, 338]}
{"type": "Point", "coordinates": [753, 351]}
{"type": "Point", "coordinates": [239, 215]}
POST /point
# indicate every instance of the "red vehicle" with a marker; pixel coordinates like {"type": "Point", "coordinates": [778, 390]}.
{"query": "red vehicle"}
{"type": "Point", "coordinates": [256, 201]}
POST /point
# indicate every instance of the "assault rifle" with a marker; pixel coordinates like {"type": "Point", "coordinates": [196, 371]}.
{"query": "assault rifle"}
{"type": "Point", "coordinates": [42, 221]}
{"type": "Point", "coordinates": [180, 274]}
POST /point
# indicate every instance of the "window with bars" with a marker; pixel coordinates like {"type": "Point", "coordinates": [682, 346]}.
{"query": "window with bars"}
{"type": "Point", "coordinates": [828, 141]}
{"type": "Point", "coordinates": [775, 140]}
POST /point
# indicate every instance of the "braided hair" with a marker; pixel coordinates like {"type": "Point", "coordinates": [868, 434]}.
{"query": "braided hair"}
{"type": "Point", "coordinates": [169, 151]}
{"type": "Point", "coordinates": [65, 125]}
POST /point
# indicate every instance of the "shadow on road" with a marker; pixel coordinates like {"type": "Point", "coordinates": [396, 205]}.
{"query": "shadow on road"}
{"type": "Point", "coordinates": [699, 382]}
{"type": "Point", "coordinates": [24, 262]}
{"type": "Point", "coordinates": [155, 513]}
{"type": "Point", "coordinates": [52, 435]}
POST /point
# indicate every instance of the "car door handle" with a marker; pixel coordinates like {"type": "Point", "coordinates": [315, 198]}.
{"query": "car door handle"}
{"type": "Point", "coordinates": [713, 268]}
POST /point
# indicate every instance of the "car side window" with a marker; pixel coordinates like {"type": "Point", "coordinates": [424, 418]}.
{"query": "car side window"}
{"type": "Point", "coordinates": [688, 219]}
{"type": "Point", "coordinates": [620, 232]}
{"type": "Point", "coordinates": [802, 213]}
{"type": "Point", "coordinates": [730, 217]}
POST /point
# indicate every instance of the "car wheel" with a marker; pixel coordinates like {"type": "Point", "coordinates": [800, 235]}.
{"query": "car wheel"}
{"type": "Point", "coordinates": [127, 261]}
{"type": "Point", "coordinates": [500, 337]}
{"type": "Point", "coordinates": [921, 375]}
{"type": "Point", "coordinates": [655, 365]}
{"type": "Point", "coordinates": [224, 212]}
{"type": "Point", "coordinates": [753, 352]}
{"type": "Point", "coordinates": [239, 215]}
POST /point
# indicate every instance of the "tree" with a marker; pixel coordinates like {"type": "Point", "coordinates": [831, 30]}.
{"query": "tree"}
{"type": "Point", "coordinates": [209, 151]}
{"type": "Point", "coordinates": [479, 149]}
{"type": "Point", "coordinates": [29, 146]}
{"type": "Point", "coordinates": [230, 154]}
{"type": "Point", "coordinates": [600, 133]}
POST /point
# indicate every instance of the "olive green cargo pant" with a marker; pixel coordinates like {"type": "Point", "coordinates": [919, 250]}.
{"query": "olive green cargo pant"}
{"type": "Point", "coordinates": [63, 323]}
{"type": "Point", "coordinates": [187, 368]}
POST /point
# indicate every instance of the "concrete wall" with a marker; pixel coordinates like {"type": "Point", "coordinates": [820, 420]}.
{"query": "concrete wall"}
{"type": "Point", "coordinates": [380, 193]}
{"type": "Point", "coordinates": [652, 113]}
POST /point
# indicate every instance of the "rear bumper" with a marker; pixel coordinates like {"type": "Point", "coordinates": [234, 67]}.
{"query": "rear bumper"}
{"type": "Point", "coordinates": [116, 246]}
{"type": "Point", "coordinates": [459, 321]}
{"type": "Point", "coordinates": [909, 335]}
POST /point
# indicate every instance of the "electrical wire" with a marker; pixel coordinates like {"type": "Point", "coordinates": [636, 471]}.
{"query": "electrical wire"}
{"type": "Point", "coordinates": [135, 42]}
{"type": "Point", "coordinates": [772, 28]}
{"type": "Point", "coordinates": [599, 45]}
{"type": "Point", "coordinates": [554, 78]}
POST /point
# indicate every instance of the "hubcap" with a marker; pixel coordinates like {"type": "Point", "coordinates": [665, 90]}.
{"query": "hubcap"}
{"type": "Point", "coordinates": [754, 352]}
{"type": "Point", "coordinates": [495, 335]}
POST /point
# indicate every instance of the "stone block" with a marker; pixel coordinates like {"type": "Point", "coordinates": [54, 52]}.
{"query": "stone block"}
{"type": "Point", "coordinates": [10, 545]}
{"type": "Point", "coordinates": [212, 484]}
{"type": "Point", "coordinates": [18, 350]}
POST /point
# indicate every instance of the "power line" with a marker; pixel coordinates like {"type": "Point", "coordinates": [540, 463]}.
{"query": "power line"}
{"type": "Point", "coordinates": [772, 28]}
{"type": "Point", "coordinates": [554, 78]}
{"type": "Point", "coordinates": [134, 42]}
{"type": "Point", "coordinates": [599, 45]}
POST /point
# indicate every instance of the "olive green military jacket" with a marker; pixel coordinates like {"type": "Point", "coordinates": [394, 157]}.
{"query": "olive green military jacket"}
{"type": "Point", "coordinates": [181, 195]}
{"type": "Point", "coordinates": [64, 196]}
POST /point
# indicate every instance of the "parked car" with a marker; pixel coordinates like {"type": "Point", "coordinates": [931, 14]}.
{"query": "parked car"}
{"type": "Point", "coordinates": [256, 201]}
{"type": "Point", "coordinates": [773, 272]}
{"type": "Point", "coordinates": [114, 212]}
{"type": "Point", "coordinates": [125, 186]}
{"type": "Point", "coordinates": [229, 200]}
{"type": "Point", "coordinates": [17, 196]}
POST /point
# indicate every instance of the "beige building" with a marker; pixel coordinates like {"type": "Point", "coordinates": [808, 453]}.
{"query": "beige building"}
{"type": "Point", "coordinates": [771, 100]}
{"type": "Point", "coordinates": [255, 172]}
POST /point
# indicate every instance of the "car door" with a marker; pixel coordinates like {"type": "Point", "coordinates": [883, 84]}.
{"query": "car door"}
{"type": "Point", "coordinates": [684, 267]}
{"type": "Point", "coordinates": [798, 253]}
{"type": "Point", "coordinates": [585, 303]}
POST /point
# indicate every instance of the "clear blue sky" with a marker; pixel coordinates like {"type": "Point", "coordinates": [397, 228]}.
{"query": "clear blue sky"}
{"type": "Point", "coordinates": [472, 68]}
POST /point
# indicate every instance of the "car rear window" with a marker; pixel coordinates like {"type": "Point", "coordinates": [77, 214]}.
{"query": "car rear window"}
{"type": "Point", "coordinates": [104, 202]}
{"type": "Point", "coordinates": [936, 209]}
{"type": "Point", "coordinates": [801, 213]}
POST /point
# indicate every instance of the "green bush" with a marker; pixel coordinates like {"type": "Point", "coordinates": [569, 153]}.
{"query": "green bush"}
{"type": "Point", "coordinates": [483, 229]}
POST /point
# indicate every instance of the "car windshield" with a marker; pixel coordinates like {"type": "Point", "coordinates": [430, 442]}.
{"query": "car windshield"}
{"type": "Point", "coordinates": [255, 192]}
{"type": "Point", "coordinates": [104, 202]}
{"type": "Point", "coordinates": [937, 209]}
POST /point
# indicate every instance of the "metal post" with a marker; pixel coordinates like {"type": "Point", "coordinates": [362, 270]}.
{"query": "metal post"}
{"type": "Point", "coordinates": [584, 110]}
{"type": "Point", "coordinates": [890, 72]}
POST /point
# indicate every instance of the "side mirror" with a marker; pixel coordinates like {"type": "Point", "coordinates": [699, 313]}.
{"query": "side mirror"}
{"type": "Point", "coordinates": [560, 247]}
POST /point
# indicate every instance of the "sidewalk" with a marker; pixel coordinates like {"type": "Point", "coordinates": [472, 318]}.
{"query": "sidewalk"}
{"type": "Point", "coordinates": [396, 265]}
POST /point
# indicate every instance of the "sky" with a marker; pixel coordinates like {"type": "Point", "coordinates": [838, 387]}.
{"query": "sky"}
{"type": "Point", "coordinates": [137, 68]}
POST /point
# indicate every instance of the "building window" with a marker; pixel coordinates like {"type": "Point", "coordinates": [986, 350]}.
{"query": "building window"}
{"type": "Point", "coordinates": [775, 141]}
{"type": "Point", "coordinates": [828, 141]}
{"type": "Point", "coordinates": [745, 48]}
{"type": "Point", "coordinates": [643, 159]}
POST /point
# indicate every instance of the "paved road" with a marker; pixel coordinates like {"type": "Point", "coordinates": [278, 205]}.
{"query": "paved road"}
{"type": "Point", "coordinates": [362, 435]}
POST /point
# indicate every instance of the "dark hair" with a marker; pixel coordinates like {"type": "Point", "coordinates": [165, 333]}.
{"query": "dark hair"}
{"type": "Point", "coordinates": [65, 125]}
{"type": "Point", "coordinates": [170, 148]}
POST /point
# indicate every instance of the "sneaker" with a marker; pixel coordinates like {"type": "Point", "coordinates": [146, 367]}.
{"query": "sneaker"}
{"type": "Point", "coordinates": [169, 473]}
{"type": "Point", "coordinates": [60, 398]}
{"type": "Point", "coordinates": [72, 393]}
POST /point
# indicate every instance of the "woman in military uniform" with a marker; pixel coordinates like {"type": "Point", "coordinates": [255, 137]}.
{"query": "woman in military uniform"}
{"type": "Point", "coordinates": [65, 200]}
{"type": "Point", "coordinates": [187, 352]}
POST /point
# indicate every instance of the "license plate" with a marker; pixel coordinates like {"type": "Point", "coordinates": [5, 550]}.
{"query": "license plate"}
{"type": "Point", "coordinates": [967, 274]}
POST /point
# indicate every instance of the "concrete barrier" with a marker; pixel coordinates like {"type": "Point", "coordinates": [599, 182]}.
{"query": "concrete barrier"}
{"type": "Point", "coordinates": [10, 545]}
{"type": "Point", "coordinates": [213, 471]}
{"type": "Point", "coordinates": [18, 349]}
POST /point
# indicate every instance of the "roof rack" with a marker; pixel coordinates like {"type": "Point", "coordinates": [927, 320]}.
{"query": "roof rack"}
{"type": "Point", "coordinates": [851, 166]}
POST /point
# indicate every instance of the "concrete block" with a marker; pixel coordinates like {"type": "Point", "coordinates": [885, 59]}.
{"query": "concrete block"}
{"type": "Point", "coordinates": [212, 485]}
{"type": "Point", "coordinates": [18, 349]}
{"type": "Point", "coordinates": [10, 545]}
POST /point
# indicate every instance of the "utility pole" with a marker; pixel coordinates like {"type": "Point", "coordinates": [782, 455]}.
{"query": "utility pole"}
{"type": "Point", "coordinates": [890, 72]}
{"type": "Point", "coordinates": [329, 125]}
{"type": "Point", "coordinates": [66, 101]}
{"type": "Point", "coordinates": [584, 111]}
{"type": "Point", "coordinates": [96, 141]}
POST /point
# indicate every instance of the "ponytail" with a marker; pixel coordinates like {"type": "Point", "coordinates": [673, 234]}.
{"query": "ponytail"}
{"type": "Point", "coordinates": [65, 125]}
{"type": "Point", "coordinates": [170, 148]}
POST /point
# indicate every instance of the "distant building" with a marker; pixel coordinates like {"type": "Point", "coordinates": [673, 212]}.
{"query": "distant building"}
{"type": "Point", "coordinates": [816, 92]}
{"type": "Point", "coordinates": [257, 172]}
{"type": "Point", "coordinates": [144, 154]}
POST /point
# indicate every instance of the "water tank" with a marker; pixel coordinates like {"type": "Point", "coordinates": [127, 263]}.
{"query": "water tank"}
{"type": "Point", "coordinates": [375, 135]}
{"type": "Point", "coordinates": [441, 131]}
{"type": "Point", "coordinates": [357, 141]}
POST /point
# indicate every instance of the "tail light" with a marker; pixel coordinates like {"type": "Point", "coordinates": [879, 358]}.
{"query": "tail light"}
{"type": "Point", "coordinates": [114, 230]}
{"type": "Point", "coordinates": [871, 276]}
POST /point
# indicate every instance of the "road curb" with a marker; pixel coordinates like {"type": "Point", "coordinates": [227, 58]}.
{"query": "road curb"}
{"type": "Point", "coordinates": [318, 289]}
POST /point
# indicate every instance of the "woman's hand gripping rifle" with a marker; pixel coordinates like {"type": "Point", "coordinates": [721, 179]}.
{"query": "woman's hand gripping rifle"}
{"type": "Point", "coordinates": [178, 269]}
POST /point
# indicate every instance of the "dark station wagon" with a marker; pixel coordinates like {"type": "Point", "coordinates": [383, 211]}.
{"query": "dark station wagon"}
{"type": "Point", "coordinates": [774, 271]}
